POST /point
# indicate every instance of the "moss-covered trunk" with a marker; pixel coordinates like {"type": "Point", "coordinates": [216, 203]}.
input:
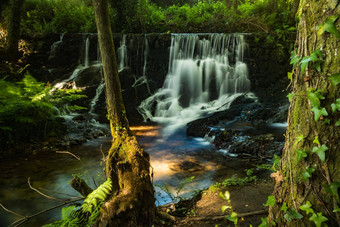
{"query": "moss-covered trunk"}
{"type": "Point", "coordinates": [312, 179]}
{"type": "Point", "coordinates": [14, 30]}
{"type": "Point", "coordinates": [132, 201]}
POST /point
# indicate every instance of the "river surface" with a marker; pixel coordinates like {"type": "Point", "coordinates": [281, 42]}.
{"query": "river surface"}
{"type": "Point", "coordinates": [173, 159]}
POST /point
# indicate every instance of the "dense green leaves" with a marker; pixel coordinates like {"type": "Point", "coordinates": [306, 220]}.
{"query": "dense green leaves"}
{"type": "Point", "coordinates": [335, 79]}
{"type": "Point", "coordinates": [301, 154]}
{"type": "Point", "coordinates": [319, 112]}
{"type": "Point", "coordinates": [329, 26]}
{"type": "Point", "coordinates": [315, 57]}
{"type": "Point", "coordinates": [270, 201]}
{"type": "Point", "coordinates": [318, 219]}
{"type": "Point", "coordinates": [320, 151]}
{"type": "Point", "coordinates": [292, 214]}
{"type": "Point", "coordinates": [308, 173]}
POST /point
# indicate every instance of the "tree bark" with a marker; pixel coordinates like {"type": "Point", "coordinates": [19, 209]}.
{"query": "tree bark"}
{"type": "Point", "coordinates": [304, 133]}
{"type": "Point", "coordinates": [293, 11]}
{"type": "Point", "coordinates": [132, 202]}
{"type": "Point", "coordinates": [14, 30]}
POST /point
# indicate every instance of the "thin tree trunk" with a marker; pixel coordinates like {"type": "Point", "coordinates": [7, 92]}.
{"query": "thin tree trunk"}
{"type": "Point", "coordinates": [14, 30]}
{"type": "Point", "coordinates": [311, 179]}
{"type": "Point", "coordinates": [127, 164]}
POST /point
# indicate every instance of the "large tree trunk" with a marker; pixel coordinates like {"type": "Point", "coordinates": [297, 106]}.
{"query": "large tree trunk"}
{"type": "Point", "coordinates": [132, 202]}
{"type": "Point", "coordinates": [293, 186]}
{"type": "Point", "coordinates": [14, 30]}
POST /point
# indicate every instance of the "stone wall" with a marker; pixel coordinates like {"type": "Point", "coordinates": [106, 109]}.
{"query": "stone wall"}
{"type": "Point", "coordinates": [268, 65]}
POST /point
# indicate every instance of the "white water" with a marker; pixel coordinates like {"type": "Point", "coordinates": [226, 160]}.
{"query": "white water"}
{"type": "Point", "coordinates": [205, 75]}
{"type": "Point", "coordinates": [95, 99]}
{"type": "Point", "coordinates": [143, 79]}
{"type": "Point", "coordinates": [86, 58]}
{"type": "Point", "coordinates": [122, 54]}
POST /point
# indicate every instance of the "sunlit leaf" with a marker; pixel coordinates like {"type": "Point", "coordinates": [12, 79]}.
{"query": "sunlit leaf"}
{"type": "Point", "coordinates": [314, 98]}
{"type": "Point", "coordinates": [329, 26]}
{"type": "Point", "coordinates": [307, 174]}
{"type": "Point", "coordinates": [316, 140]}
{"type": "Point", "coordinates": [290, 96]}
{"type": "Point", "coordinates": [320, 152]}
{"type": "Point", "coordinates": [270, 201]}
{"type": "Point", "coordinates": [307, 207]}
{"type": "Point", "coordinates": [336, 210]}
{"type": "Point", "coordinates": [284, 207]}
{"type": "Point", "coordinates": [298, 139]}
{"type": "Point", "coordinates": [225, 208]}
{"type": "Point", "coordinates": [318, 219]}
{"type": "Point", "coordinates": [319, 112]}
{"type": "Point", "coordinates": [264, 223]}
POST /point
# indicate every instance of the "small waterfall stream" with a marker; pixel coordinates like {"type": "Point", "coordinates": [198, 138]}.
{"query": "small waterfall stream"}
{"type": "Point", "coordinates": [206, 73]}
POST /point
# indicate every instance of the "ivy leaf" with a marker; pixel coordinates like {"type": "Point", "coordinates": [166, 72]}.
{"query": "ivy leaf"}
{"type": "Point", "coordinates": [320, 151]}
{"type": "Point", "coordinates": [329, 26]}
{"type": "Point", "coordinates": [225, 208]}
{"type": "Point", "coordinates": [232, 217]}
{"type": "Point", "coordinates": [298, 139]}
{"type": "Point", "coordinates": [317, 65]}
{"type": "Point", "coordinates": [290, 96]}
{"type": "Point", "coordinates": [336, 106]}
{"type": "Point", "coordinates": [270, 201]}
{"type": "Point", "coordinates": [316, 140]}
{"type": "Point", "coordinates": [284, 207]}
{"type": "Point", "coordinates": [319, 112]}
{"type": "Point", "coordinates": [336, 210]}
{"type": "Point", "coordinates": [314, 98]}
{"type": "Point", "coordinates": [307, 174]}
{"type": "Point", "coordinates": [315, 56]}
{"type": "Point", "coordinates": [301, 154]}
{"type": "Point", "coordinates": [318, 219]}
{"type": "Point", "coordinates": [337, 123]}
{"type": "Point", "coordinates": [335, 79]}
{"type": "Point", "coordinates": [334, 189]}
{"type": "Point", "coordinates": [307, 208]}
{"type": "Point", "coordinates": [292, 214]}
{"type": "Point", "coordinates": [294, 59]}
{"type": "Point", "coordinates": [264, 223]}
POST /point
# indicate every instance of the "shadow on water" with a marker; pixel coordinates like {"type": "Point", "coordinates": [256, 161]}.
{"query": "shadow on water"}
{"type": "Point", "coordinates": [173, 159]}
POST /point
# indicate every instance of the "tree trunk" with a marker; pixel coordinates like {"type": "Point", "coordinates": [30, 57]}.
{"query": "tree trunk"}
{"type": "Point", "coordinates": [296, 183]}
{"type": "Point", "coordinates": [132, 202]}
{"type": "Point", "coordinates": [14, 30]}
{"type": "Point", "coordinates": [293, 11]}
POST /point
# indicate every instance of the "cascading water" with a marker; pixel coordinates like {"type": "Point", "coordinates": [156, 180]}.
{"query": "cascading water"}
{"type": "Point", "coordinates": [122, 54]}
{"type": "Point", "coordinates": [143, 79]}
{"type": "Point", "coordinates": [86, 57]}
{"type": "Point", "coordinates": [206, 73]}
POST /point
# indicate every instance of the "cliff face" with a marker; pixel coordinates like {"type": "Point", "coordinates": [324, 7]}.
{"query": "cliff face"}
{"type": "Point", "coordinates": [143, 65]}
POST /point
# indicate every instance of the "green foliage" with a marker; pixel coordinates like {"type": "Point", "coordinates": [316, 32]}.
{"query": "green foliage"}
{"type": "Point", "coordinates": [335, 79]}
{"type": "Point", "coordinates": [292, 214]}
{"type": "Point", "coordinates": [232, 216]}
{"type": "Point", "coordinates": [320, 151]}
{"type": "Point", "coordinates": [329, 26]}
{"type": "Point", "coordinates": [284, 207]}
{"type": "Point", "coordinates": [315, 57]}
{"type": "Point", "coordinates": [174, 196]}
{"type": "Point", "coordinates": [28, 107]}
{"type": "Point", "coordinates": [270, 201]}
{"type": "Point", "coordinates": [307, 207]}
{"type": "Point", "coordinates": [314, 98]}
{"type": "Point", "coordinates": [308, 173]}
{"type": "Point", "coordinates": [318, 219]}
{"type": "Point", "coordinates": [57, 16]}
{"type": "Point", "coordinates": [301, 154]}
{"type": "Point", "coordinates": [86, 214]}
{"type": "Point", "coordinates": [264, 222]}
{"type": "Point", "coordinates": [336, 106]}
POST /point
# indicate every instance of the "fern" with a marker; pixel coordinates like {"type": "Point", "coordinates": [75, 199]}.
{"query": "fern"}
{"type": "Point", "coordinates": [86, 214]}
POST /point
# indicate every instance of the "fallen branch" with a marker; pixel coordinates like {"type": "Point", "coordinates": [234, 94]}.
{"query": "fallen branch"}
{"type": "Point", "coordinates": [49, 197]}
{"type": "Point", "coordinates": [12, 212]}
{"type": "Point", "coordinates": [67, 152]}
{"type": "Point", "coordinates": [24, 219]}
{"type": "Point", "coordinates": [80, 186]}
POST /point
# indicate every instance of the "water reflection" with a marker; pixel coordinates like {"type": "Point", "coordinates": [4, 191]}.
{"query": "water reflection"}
{"type": "Point", "coordinates": [173, 159]}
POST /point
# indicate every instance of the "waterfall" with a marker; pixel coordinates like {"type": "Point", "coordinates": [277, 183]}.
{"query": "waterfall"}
{"type": "Point", "coordinates": [86, 57]}
{"type": "Point", "coordinates": [143, 79]}
{"type": "Point", "coordinates": [206, 73]}
{"type": "Point", "coordinates": [122, 54]}
{"type": "Point", "coordinates": [95, 99]}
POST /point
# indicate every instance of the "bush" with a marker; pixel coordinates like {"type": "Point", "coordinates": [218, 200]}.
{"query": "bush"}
{"type": "Point", "coordinates": [29, 109]}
